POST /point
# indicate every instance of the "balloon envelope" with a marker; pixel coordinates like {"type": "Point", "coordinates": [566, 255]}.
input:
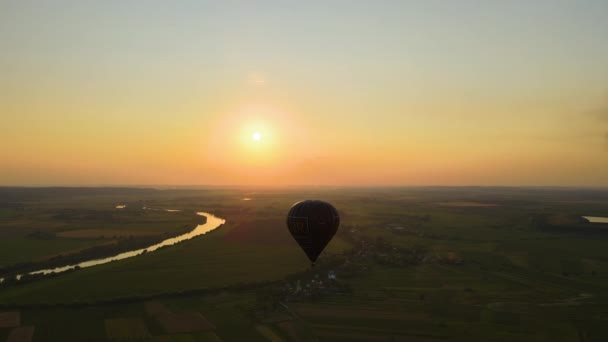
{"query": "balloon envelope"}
{"type": "Point", "coordinates": [313, 224]}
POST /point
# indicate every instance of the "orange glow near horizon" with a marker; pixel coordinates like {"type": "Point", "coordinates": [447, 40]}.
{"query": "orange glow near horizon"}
{"type": "Point", "coordinates": [230, 94]}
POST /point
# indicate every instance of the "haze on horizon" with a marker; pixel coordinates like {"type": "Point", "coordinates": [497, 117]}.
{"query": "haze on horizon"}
{"type": "Point", "coordinates": [304, 93]}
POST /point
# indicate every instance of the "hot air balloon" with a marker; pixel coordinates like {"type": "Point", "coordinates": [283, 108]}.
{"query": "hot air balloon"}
{"type": "Point", "coordinates": [313, 224]}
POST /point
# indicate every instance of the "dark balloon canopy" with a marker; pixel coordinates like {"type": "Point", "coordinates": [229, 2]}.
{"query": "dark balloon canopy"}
{"type": "Point", "coordinates": [313, 224]}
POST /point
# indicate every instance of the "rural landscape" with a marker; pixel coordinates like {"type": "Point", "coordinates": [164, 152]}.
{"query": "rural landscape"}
{"type": "Point", "coordinates": [308, 171]}
{"type": "Point", "coordinates": [407, 264]}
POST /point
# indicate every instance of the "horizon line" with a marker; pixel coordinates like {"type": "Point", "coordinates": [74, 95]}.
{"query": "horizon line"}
{"type": "Point", "coordinates": [177, 187]}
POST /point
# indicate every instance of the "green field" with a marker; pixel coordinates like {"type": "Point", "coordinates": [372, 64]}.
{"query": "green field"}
{"type": "Point", "coordinates": [32, 230]}
{"type": "Point", "coordinates": [486, 270]}
{"type": "Point", "coordinates": [21, 249]}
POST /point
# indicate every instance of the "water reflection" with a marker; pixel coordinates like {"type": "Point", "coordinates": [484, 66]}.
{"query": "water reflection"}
{"type": "Point", "coordinates": [213, 222]}
{"type": "Point", "coordinates": [596, 219]}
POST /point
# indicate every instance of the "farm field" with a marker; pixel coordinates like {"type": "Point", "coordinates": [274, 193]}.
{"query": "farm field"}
{"type": "Point", "coordinates": [188, 171]}
{"type": "Point", "coordinates": [66, 223]}
{"type": "Point", "coordinates": [407, 267]}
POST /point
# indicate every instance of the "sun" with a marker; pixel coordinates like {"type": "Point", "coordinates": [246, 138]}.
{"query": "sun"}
{"type": "Point", "coordinates": [256, 136]}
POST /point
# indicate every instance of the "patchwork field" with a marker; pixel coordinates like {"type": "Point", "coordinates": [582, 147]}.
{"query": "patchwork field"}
{"type": "Point", "coordinates": [21, 334]}
{"type": "Point", "coordinates": [120, 329]}
{"type": "Point", "coordinates": [10, 319]}
{"type": "Point", "coordinates": [412, 264]}
{"type": "Point", "coordinates": [177, 322]}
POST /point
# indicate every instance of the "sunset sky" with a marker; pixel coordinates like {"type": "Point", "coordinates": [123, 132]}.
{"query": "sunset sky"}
{"type": "Point", "coordinates": [335, 92]}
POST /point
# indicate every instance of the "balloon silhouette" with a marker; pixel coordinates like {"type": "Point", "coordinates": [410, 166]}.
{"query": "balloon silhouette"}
{"type": "Point", "coordinates": [313, 224]}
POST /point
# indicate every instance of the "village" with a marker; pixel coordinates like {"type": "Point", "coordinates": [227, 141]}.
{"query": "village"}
{"type": "Point", "coordinates": [330, 276]}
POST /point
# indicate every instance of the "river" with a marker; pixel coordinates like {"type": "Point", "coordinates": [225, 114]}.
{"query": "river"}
{"type": "Point", "coordinates": [596, 219]}
{"type": "Point", "coordinates": [213, 222]}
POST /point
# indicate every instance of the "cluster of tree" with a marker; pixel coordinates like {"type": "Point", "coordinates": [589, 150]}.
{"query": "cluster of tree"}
{"type": "Point", "coordinates": [28, 278]}
{"type": "Point", "coordinates": [135, 298]}
{"type": "Point", "coordinates": [387, 254]}
{"type": "Point", "coordinates": [307, 285]}
{"type": "Point", "coordinates": [85, 214]}
{"type": "Point", "coordinates": [449, 258]}
{"type": "Point", "coordinates": [41, 235]}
